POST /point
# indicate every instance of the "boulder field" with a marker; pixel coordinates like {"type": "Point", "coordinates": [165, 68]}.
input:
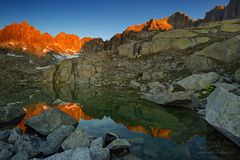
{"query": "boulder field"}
{"type": "Point", "coordinates": [165, 57]}
{"type": "Point", "coordinates": [190, 65]}
{"type": "Point", "coordinates": [180, 67]}
{"type": "Point", "coordinates": [63, 140]}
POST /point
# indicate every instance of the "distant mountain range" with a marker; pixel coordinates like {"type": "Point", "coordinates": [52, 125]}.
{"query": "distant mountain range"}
{"type": "Point", "coordinates": [27, 38]}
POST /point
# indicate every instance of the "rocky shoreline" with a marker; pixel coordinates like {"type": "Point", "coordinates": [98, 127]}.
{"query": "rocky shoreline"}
{"type": "Point", "coordinates": [181, 67]}
{"type": "Point", "coordinates": [182, 72]}
{"type": "Point", "coordinates": [195, 65]}
{"type": "Point", "coordinates": [55, 135]}
{"type": "Point", "coordinates": [216, 100]}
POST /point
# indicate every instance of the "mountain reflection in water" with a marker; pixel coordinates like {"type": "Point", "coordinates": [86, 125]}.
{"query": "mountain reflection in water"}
{"type": "Point", "coordinates": [154, 132]}
{"type": "Point", "coordinates": [72, 109]}
{"type": "Point", "coordinates": [76, 111]}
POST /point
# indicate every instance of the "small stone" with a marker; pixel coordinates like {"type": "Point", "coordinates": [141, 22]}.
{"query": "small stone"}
{"type": "Point", "coordinates": [15, 134]}
{"type": "Point", "coordinates": [143, 88]}
{"type": "Point", "coordinates": [154, 84]}
{"type": "Point", "coordinates": [99, 142]}
{"type": "Point", "coordinates": [4, 135]}
{"type": "Point", "coordinates": [134, 84]}
{"type": "Point", "coordinates": [237, 75]}
{"type": "Point", "coordinates": [23, 155]}
{"type": "Point", "coordinates": [146, 77]}
{"type": "Point", "coordinates": [78, 139]}
{"type": "Point", "coordinates": [24, 143]}
{"type": "Point", "coordinates": [5, 154]}
{"type": "Point", "coordinates": [202, 112]}
{"type": "Point", "coordinates": [4, 145]}
{"type": "Point", "coordinates": [55, 139]}
{"type": "Point", "coordinates": [97, 153]}
{"type": "Point", "coordinates": [118, 145]}
{"type": "Point", "coordinates": [109, 137]}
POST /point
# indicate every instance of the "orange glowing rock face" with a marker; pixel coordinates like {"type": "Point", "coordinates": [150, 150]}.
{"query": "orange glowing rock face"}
{"type": "Point", "coordinates": [72, 109]}
{"type": "Point", "coordinates": [138, 128]}
{"type": "Point", "coordinates": [25, 37]}
{"type": "Point", "coordinates": [32, 111]}
{"type": "Point", "coordinates": [220, 7]}
{"type": "Point", "coordinates": [152, 25]}
{"type": "Point", "coordinates": [163, 133]}
{"type": "Point", "coordinates": [75, 111]}
{"type": "Point", "coordinates": [155, 132]}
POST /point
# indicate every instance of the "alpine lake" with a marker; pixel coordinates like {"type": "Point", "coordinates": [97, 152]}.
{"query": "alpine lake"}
{"type": "Point", "coordinates": [154, 132]}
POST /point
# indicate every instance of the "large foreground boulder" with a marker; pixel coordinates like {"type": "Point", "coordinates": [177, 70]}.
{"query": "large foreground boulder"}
{"type": "Point", "coordinates": [198, 81]}
{"type": "Point", "coordinates": [223, 112]}
{"type": "Point", "coordinates": [162, 96]}
{"type": "Point", "coordinates": [10, 113]}
{"type": "Point", "coordinates": [49, 120]}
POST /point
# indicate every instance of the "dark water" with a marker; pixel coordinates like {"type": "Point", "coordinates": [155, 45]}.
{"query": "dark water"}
{"type": "Point", "coordinates": [155, 132]}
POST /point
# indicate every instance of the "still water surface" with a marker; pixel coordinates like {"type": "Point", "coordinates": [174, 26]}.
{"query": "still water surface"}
{"type": "Point", "coordinates": [155, 132]}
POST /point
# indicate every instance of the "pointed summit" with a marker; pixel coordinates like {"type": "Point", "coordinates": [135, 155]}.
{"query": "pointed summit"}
{"type": "Point", "coordinates": [25, 23]}
{"type": "Point", "coordinates": [28, 38]}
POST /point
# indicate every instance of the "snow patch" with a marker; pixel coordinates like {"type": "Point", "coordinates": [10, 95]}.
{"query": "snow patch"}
{"type": "Point", "coordinates": [30, 61]}
{"type": "Point", "coordinates": [40, 68]}
{"type": "Point", "coordinates": [13, 103]}
{"type": "Point", "coordinates": [45, 50]}
{"type": "Point", "coordinates": [14, 55]}
{"type": "Point", "coordinates": [12, 43]}
{"type": "Point", "coordinates": [63, 56]}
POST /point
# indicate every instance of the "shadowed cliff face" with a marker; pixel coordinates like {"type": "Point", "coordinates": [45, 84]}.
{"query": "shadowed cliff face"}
{"type": "Point", "coordinates": [232, 10]}
{"type": "Point", "coordinates": [219, 13]}
{"type": "Point", "coordinates": [27, 38]}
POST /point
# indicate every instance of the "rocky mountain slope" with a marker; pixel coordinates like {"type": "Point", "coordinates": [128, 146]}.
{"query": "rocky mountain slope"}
{"type": "Point", "coordinates": [27, 38]}
{"type": "Point", "coordinates": [163, 56]}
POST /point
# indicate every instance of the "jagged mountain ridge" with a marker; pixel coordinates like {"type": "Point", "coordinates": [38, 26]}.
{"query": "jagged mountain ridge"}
{"type": "Point", "coordinates": [177, 20]}
{"type": "Point", "coordinates": [29, 39]}
{"type": "Point", "coordinates": [180, 20]}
